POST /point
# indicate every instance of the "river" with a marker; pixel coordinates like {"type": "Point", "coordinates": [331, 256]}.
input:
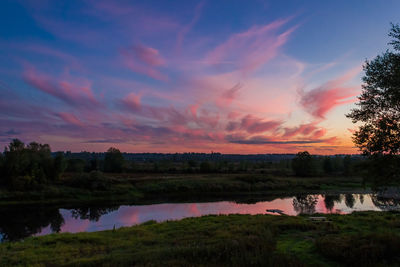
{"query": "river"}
{"type": "Point", "coordinates": [18, 222]}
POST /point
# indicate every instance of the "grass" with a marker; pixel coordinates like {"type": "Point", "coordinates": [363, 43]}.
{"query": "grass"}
{"type": "Point", "coordinates": [135, 188]}
{"type": "Point", "coordinates": [361, 239]}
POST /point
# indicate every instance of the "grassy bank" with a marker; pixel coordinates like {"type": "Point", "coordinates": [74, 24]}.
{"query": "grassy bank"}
{"type": "Point", "coordinates": [120, 188]}
{"type": "Point", "coordinates": [361, 239]}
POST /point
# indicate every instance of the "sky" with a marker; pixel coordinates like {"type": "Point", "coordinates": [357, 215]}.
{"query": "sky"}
{"type": "Point", "coordinates": [187, 76]}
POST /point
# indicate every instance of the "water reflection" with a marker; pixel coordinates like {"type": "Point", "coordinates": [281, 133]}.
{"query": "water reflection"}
{"type": "Point", "coordinates": [330, 200]}
{"type": "Point", "coordinates": [305, 204]}
{"type": "Point", "coordinates": [91, 213]}
{"type": "Point", "coordinates": [19, 222]}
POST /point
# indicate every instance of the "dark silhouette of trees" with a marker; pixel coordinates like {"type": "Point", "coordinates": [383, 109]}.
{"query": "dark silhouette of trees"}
{"type": "Point", "coordinates": [75, 165]}
{"type": "Point", "coordinates": [59, 166]}
{"type": "Point", "coordinates": [205, 166]}
{"type": "Point", "coordinates": [113, 160]}
{"type": "Point", "coordinates": [327, 165]}
{"type": "Point", "coordinates": [303, 165]}
{"type": "Point", "coordinates": [347, 165]}
{"type": "Point", "coordinates": [379, 103]}
{"type": "Point", "coordinates": [26, 166]}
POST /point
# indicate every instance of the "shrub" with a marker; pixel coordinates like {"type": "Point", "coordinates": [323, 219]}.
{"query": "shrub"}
{"type": "Point", "coordinates": [360, 249]}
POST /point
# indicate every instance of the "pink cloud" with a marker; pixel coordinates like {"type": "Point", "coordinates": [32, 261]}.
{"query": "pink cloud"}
{"type": "Point", "coordinates": [229, 95]}
{"type": "Point", "coordinates": [70, 118]}
{"type": "Point", "coordinates": [274, 140]}
{"type": "Point", "coordinates": [318, 134]}
{"type": "Point", "coordinates": [253, 124]}
{"type": "Point", "coordinates": [69, 92]}
{"type": "Point", "coordinates": [144, 60]}
{"type": "Point", "coordinates": [303, 129]}
{"type": "Point", "coordinates": [319, 101]}
{"type": "Point", "coordinates": [148, 55]}
{"type": "Point", "coordinates": [132, 101]}
{"type": "Point", "coordinates": [251, 49]}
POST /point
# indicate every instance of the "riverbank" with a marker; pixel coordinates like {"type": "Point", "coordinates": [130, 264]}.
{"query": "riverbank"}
{"type": "Point", "coordinates": [152, 188]}
{"type": "Point", "coordinates": [361, 238]}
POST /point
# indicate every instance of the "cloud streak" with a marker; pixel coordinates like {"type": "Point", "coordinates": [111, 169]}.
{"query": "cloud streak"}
{"type": "Point", "coordinates": [320, 100]}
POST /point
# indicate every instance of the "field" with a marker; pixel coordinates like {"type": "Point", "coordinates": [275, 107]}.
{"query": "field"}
{"type": "Point", "coordinates": [361, 239]}
{"type": "Point", "coordinates": [142, 188]}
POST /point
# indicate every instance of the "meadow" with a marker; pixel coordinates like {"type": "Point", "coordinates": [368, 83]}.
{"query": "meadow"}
{"type": "Point", "coordinates": [145, 187]}
{"type": "Point", "coordinates": [361, 239]}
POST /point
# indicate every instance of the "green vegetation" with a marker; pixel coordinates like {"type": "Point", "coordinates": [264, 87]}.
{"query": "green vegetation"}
{"type": "Point", "coordinates": [32, 174]}
{"type": "Point", "coordinates": [124, 188]}
{"type": "Point", "coordinates": [26, 167]}
{"type": "Point", "coordinates": [361, 239]}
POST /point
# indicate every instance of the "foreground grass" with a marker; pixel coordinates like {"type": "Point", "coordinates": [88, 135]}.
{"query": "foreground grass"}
{"type": "Point", "coordinates": [120, 188]}
{"type": "Point", "coordinates": [361, 239]}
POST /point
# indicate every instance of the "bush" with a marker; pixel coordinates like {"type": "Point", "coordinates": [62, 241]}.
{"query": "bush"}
{"type": "Point", "coordinates": [303, 164]}
{"type": "Point", "coordinates": [360, 249]}
{"type": "Point", "coordinates": [94, 180]}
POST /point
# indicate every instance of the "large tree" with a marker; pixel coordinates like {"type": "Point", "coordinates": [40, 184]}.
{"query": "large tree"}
{"type": "Point", "coordinates": [113, 160]}
{"type": "Point", "coordinates": [378, 110]}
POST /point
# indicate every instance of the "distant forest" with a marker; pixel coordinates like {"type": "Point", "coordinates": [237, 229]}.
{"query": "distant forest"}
{"type": "Point", "coordinates": [26, 166]}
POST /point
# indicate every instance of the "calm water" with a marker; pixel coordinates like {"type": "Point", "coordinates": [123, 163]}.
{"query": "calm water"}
{"type": "Point", "coordinates": [20, 222]}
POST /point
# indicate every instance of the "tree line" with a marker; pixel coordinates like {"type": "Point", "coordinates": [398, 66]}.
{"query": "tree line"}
{"type": "Point", "coordinates": [32, 165]}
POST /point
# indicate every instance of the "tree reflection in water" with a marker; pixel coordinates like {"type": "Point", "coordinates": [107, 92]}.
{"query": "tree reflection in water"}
{"type": "Point", "coordinates": [349, 200]}
{"type": "Point", "coordinates": [361, 198]}
{"type": "Point", "coordinates": [385, 203]}
{"type": "Point", "coordinates": [20, 222]}
{"type": "Point", "coordinates": [305, 204]}
{"type": "Point", "coordinates": [330, 200]}
{"type": "Point", "coordinates": [91, 213]}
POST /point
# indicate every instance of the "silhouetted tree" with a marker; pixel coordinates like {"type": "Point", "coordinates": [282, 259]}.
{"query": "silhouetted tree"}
{"type": "Point", "coordinates": [113, 161]}
{"type": "Point", "coordinates": [27, 166]}
{"type": "Point", "coordinates": [327, 165]}
{"type": "Point", "coordinates": [60, 164]}
{"type": "Point", "coordinates": [205, 166]}
{"type": "Point", "coordinates": [94, 164]}
{"type": "Point", "coordinates": [303, 165]}
{"type": "Point", "coordinates": [347, 165]}
{"type": "Point", "coordinates": [379, 103]}
{"type": "Point", "coordinates": [75, 165]}
{"type": "Point", "coordinates": [2, 173]}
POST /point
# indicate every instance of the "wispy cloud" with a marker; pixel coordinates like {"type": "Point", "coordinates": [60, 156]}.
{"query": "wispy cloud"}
{"type": "Point", "coordinates": [144, 60]}
{"type": "Point", "coordinates": [320, 100]}
{"type": "Point", "coordinates": [67, 91]}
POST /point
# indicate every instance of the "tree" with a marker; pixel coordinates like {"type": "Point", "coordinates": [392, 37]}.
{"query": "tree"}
{"type": "Point", "coordinates": [2, 172]}
{"type": "Point", "coordinates": [303, 164]}
{"type": "Point", "coordinates": [24, 166]}
{"type": "Point", "coordinates": [347, 165]}
{"type": "Point", "coordinates": [59, 166]}
{"type": "Point", "coordinates": [113, 160]}
{"type": "Point", "coordinates": [379, 103]}
{"type": "Point", "coordinates": [327, 164]}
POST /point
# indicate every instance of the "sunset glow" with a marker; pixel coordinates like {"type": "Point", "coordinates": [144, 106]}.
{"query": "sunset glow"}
{"type": "Point", "coordinates": [187, 76]}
